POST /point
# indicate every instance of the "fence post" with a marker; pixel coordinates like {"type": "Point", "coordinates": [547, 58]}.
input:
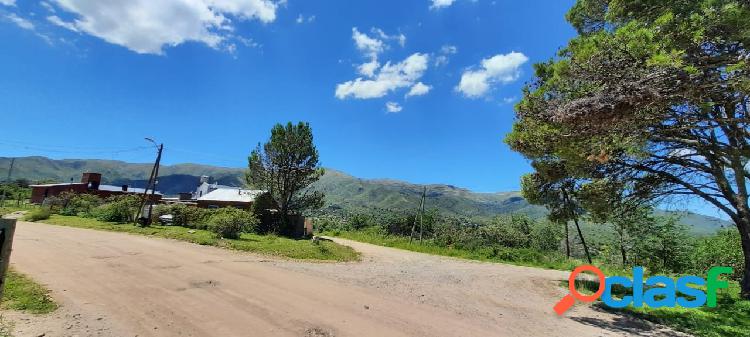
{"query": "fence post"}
{"type": "Point", "coordinates": [7, 229]}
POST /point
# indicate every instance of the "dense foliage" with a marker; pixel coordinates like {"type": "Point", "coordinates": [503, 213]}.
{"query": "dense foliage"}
{"type": "Point", "coordinates": [121, 208]}
{"type": "Point", "coordinates": [42, 213]}
{"type": "Point", "coordinates": [183, 215]}
{"type": "Point", "coordinates": [651, 100]}
{"type": "Point", "coordinates": [284, 167]}
{"type": "Point", "coordinates": [228, 223]}
{"type": "Point", "coordinates": [661, 244]}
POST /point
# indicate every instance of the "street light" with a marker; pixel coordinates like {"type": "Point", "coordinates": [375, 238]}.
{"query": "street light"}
{"type": "Point", "coordinates": [152, 180]}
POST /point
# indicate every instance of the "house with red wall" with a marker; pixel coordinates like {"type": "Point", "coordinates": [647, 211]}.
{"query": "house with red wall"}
{"type": "Point", "coordinates": [90, 184]}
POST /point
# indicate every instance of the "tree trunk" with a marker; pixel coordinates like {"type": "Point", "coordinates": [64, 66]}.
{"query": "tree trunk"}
{"type": "Point", "coordinates": [583, 241]}
{"type": "Point", "coordinates": [567, 241]}
{"type": "Point", "coordinates": [623, 253]}
{"type": "Point", "coordinates": [744, 228]}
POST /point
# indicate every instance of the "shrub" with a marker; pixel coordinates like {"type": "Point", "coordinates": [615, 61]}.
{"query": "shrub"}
{"type": "Point", "coordinates": [184, 215]}
{"type": "Point", "coordinates": [81, 204]}
{"type": "Point", "coordinates": [122, 209]}
{"type": "Point", "coordinates": [327, 223]}
{"type": "Point", "coordinates": [228, 223]}
{"type": "Point", "coordinates": [546, 236]}
{"type": "Point", "coordinates": [722, 249]}
{"type": "Point", "coordinates": [39, 214]}
{"type": "Point", "coordinates": [262, 206]}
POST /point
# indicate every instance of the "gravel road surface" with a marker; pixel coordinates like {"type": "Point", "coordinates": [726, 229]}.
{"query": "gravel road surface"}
{"type": "Point", "coordinates": [115, 284]}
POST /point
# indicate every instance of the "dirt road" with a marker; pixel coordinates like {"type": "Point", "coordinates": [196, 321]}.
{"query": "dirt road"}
{"type": "Point", "coordinates": [114, 284]}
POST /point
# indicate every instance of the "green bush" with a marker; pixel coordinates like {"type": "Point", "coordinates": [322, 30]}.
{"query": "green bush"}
{"type": "Point", "coordinates": [81, 204]}
{"type": "Point", "coordinates": [42, 213]}
{"type": "Point", "coordinates": [546, 236]}
{"type": "Point", "coordinates": [722, 249]}
{"type": "Point", "coordinates": [183, 215]}
{"type": "Point", "coordinates": [122, 209]}
{"type": "Point", "coordinates": [228, 223]}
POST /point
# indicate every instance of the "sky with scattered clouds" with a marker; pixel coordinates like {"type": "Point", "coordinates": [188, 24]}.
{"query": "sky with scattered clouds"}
{"type": "Point", "coordinates": [418, 90]}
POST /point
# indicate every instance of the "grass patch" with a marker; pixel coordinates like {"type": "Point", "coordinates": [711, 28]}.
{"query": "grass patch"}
{"type": "Point", "coordinates": [516, 256]}
{"type": "Point", "coordinates": [12, 207]}
{"type": "Point", "coordinates": [23, 294]}
{"type": "Point", "coordinates": [6, 327]}
{"type": "Point", "coordinates": [731, 317]}
{"type": "Point", "coordinates": [263, 244]}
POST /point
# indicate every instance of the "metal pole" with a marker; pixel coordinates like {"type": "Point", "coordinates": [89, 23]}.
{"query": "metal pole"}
{"type": "Point", "coordinates": [153, 189]}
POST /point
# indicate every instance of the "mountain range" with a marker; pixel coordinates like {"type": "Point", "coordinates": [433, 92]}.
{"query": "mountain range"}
{"type": "Point", "coordinates": [343, 191]}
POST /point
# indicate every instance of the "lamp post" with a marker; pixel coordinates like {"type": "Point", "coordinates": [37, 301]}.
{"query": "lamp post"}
{"type": "Point", "coordinates": [152, 181]}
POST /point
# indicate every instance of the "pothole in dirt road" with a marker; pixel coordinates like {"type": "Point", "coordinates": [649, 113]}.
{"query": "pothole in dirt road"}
{"type": "Point", "coordinates": [319, 332]}
{"type": "Point", "coordinates": [204, 284]}
{"type": "Point", "coordinates": [104, 257]}
{"type": "Point", "coordinates": [165, 267]}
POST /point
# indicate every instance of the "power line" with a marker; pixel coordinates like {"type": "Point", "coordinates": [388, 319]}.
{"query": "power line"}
{"type": "Point", "coordinates": [62, 149]}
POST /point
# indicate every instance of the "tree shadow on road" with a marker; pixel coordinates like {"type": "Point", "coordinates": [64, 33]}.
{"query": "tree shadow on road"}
{"type": "Point", "coordinates": [628, 324]}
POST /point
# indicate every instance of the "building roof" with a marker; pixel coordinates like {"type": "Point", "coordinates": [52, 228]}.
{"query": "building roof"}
{"type": "Point", "coordinates": [56, 184]}
{"type": "Point", "coordinates": [112, 188]}
{"type": "Point", "coordinates": [233, 195]}
{"type": "Point", "coordinates": [108, 188]}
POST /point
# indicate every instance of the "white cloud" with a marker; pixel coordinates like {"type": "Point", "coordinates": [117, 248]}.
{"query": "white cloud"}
{"type": "Point", "coordinates": [368, 45]}
{"type": "Point", "coordinates": [419, 89]}
{"type": "Point", "coordinates": [20, 22]}
{"type": "Point", "coordinates": [377, 80]}
{"type": "Point", "coordinates": [448, 49]}
{"type": "Point", "coordinates": [8, 2]}
{"type": "Point", "coordinates": [393, 107]}
{"type": "Point", "coordinates": [57, 21]}
{"type": "Point", "coordinates": [302, 19]}
{"type": "Point", "coordinates": [444, 56]}
{"type": "Point", "coordinates": [47, 6]}
{"type": "Point", "coordinates": [401, 38]}
{"type": "Point", "coordinates": [437, 4]}
{"type": "Point", "coordinates": [509, 100]}
{"type": "Point", "coordinates": [147, 26]}
{"type": "Point", "coordinates": [368, 69]}
{"type": "Point", "coordinates": [502, 68]}
{"type": "Point", "coordinates": [385, 79]}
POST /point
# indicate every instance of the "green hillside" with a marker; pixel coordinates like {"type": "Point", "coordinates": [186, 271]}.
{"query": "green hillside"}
{"type": "Point", "coordinates": [346, 192]}
{"type": "Point", "coordinates": [343, 192]}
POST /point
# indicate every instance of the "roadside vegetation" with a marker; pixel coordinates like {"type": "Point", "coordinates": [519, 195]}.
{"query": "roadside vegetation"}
{"type": "Point", "coordinates": [14, 196]}
{"type": "Point", "coordinates": [23, 294]}
{"type": "Point", "coordinates": [263, 244]}
{"type": "Point", "coordinates": [730, 318]}
{"type": "Point", "coordinates": [226, 227]}
{"type": "Point", "coordinates": [660, 244]}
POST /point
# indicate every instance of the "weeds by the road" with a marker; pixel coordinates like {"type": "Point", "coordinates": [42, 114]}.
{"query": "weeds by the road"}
{"type": "Point", "coordinates": [517, 256]}
{"type": "Point", "coordinates": [22, 293]}
{"type": "Point", "coordinates": [263, 244]}
{"type": "Point", "coordinates": [6, 327]}
{"type": "Point", "coordinates": [731, 316]}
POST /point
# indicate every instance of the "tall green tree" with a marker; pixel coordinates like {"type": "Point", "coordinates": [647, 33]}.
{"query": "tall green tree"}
{"type": "Point", "coordinates": [285, 166]}
{"type": "Point", "coordinates": [652, 93]}
{"type": "Point", "coordinates": [555, 186]}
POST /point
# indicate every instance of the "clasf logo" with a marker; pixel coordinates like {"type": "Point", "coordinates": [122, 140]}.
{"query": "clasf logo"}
{"type": "Point", "coordinates": [656, 296]}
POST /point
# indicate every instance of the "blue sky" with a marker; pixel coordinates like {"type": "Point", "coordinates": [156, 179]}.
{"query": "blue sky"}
{"type": "Point", "coordinates": [209, 78]}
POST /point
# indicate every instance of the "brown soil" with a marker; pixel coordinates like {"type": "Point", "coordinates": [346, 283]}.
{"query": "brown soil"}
{"type": "Point", "coordinates": [114, 284]}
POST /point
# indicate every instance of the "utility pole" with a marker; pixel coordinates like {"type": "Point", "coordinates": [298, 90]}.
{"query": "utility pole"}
{"type": "Point", "coordinates": [156, 182]}
{"type": "Point", "coordinates": [7, 181]}
{"type": "Point", "coordinates": [414, 224]}
{"type": "Point", "coordinates": [151, 183]}
{"type": "Point", "coordinates": [421, 213]}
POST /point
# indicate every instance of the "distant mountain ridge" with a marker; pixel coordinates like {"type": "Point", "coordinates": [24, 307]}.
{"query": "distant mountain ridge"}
{"type": "Point", "coordinates": [343, 191]}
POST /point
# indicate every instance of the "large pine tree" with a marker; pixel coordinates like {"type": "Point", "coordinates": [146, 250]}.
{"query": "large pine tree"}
{"type": "Point", "coordinates": [652, 94]}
